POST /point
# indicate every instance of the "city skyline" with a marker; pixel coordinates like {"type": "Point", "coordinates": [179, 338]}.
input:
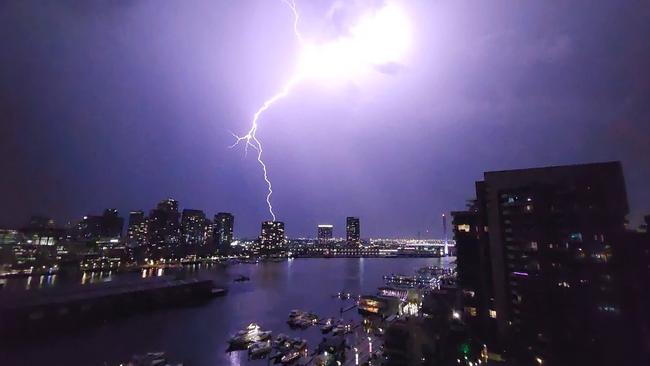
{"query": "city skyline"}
{"type": "Point", "coordinates": [107, 113]}
{"type": "Point", "coordinates": [324, 182]}
{"type": "Point", "coordinates": [135, 224]}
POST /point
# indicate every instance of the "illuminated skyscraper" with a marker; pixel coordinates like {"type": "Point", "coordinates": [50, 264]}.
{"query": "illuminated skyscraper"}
{"type": "Point", "coordinates": [193, 227]}
{"type": "Point", "coordinates": [353, 230]}
{"type": "Point", "coordinates": [325, 233]}
{"type": "Point", "coordinates": [163, 224]}
{"type": "Point", "coordinates": [224, 223]}
{"type": "Point", "coordinates": [137, 231]}
{"type": "Point", "coordinates": [272, 238]}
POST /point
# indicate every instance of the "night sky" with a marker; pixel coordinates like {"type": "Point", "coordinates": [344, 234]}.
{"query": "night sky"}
{"type": "Point", "coordinates": [124, 103]}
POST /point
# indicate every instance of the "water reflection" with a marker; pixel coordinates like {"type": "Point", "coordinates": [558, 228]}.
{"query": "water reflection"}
{"type": "Point", "coordinates": [235, 358]}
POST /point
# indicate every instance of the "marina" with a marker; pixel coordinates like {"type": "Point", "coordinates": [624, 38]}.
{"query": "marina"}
{"type": "Point", "coordinates": [402, 296]}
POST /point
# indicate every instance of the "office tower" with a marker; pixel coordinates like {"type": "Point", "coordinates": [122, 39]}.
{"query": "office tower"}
{"type": "Point", "coordinates": [352, 230]}
{"type": "Point", "coordinates": [137, 231]}
{"type": "Point", "coordinates": [325, 233]}
{"type": "Point", "coordinates": [223, 231]}
{"type": "Point", "coordinates": [272, 238]}
{"type": "Point", "coordinates": [193, 228]}
{"type": "Point", "coordinates": [549, 234]}
{"type": "Point", "coordinates": [163, 224]}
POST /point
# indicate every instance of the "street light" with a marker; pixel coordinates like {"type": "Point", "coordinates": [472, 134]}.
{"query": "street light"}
{"type": "Point", "coordinates": [356, 356]}
{"type": "Point", "coordinates": [369, 345]}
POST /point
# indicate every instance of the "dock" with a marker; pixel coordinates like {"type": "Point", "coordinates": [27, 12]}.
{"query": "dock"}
{"type": "Point", "coordinates": [41, 309]}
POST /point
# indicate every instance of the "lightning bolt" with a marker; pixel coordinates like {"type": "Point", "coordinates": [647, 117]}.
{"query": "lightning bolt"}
{"type": "Point", "coordinates": [250, 139]}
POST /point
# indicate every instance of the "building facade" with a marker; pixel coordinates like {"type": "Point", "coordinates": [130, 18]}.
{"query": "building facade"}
{"type": "Point", "coordinates": [137, 231]}
{"type": "Point", "coordinates": [539, 242]}
{"type": "Point", "coordinates": [272, 238]}
{"type": "Point", "coordinates": [224, 223]}
{"type": "Point", "coordinates": [163, 225]}
{"type": "Point", "coordinates": [193, 228]}
{"type": "Point", "coordinates": [325, 233]}
{"type": "Point", "coordinates": [353, 230]}
{"type": "Point", "coordinates": [103, 228]}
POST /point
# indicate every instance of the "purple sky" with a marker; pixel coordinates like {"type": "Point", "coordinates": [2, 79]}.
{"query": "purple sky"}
{"type": "Point", "coordinates": [121, 104]}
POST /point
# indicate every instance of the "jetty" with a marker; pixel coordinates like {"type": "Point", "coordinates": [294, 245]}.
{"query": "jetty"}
{"type": "Point", "coordinates": [23, 311]}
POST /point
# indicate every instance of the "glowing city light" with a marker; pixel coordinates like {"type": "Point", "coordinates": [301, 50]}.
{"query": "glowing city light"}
{"type": "Point", "coordinates": [380, 37]}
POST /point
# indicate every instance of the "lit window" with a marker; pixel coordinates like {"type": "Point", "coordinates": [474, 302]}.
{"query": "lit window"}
{"type": "Point", "coordinates": [493, 314]}
{"type": "Point", "coordinates": [463, 227]}
{"type": "Point", "coordinates": [576, 236]}
{"type": "Point", "coordinates": [470, 310]}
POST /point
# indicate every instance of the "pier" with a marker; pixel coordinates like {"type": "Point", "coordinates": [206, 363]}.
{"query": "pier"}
{"type": "Point", "coordinates": [28, 311]}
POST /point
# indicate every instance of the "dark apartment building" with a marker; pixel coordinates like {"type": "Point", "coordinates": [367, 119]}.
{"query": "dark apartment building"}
{"type": "Point", "coordinates": [536, 263]}
{"type": "Point", "coordinates": [224, 223]}
{"type": "Point", "coordinates": [94, 228]}
{"type": "Point", "coordinates": [163, 224]}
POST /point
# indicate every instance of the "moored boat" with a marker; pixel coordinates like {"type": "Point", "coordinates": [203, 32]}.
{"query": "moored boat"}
{"type": "Point", "coordinates": [290, 357]}
{"type": "Point", "coordinates": [260, 349]}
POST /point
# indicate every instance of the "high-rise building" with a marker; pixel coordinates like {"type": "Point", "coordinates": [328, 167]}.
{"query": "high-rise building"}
{"type": "Point", "coordinates": [272, 237]}
{"type": "Point", "coordinates": [534, 254]}
{"type": "Point", "coordinates": [209, 233]}
{"type": "Point", "coordinates": [193, 228]}
{"type": "Point", "coordinates": [112, 224]}
{"type": "Point", "coordinates": [89, 228]}
{"type": "Point", "coordinates": [95, 228]}
{"type": "Point", "coordinates": [163, 224]}
{"type": "Point", "coordinates": [325, 233]}
{"type": "Point", "coordinates": [353, 230]}
{"type": "Point", "coordinates": [137, 231]}
{"type": "Point", "coordinates": [223, 231]}
{"type": "Point", "coordinates": [473, 269]}
{"type": "Point", "coordinates": [169, 205]}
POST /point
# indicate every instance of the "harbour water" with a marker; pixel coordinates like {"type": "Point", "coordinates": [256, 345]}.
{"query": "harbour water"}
{"type": "Point", "coordinates": [198, 335]}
